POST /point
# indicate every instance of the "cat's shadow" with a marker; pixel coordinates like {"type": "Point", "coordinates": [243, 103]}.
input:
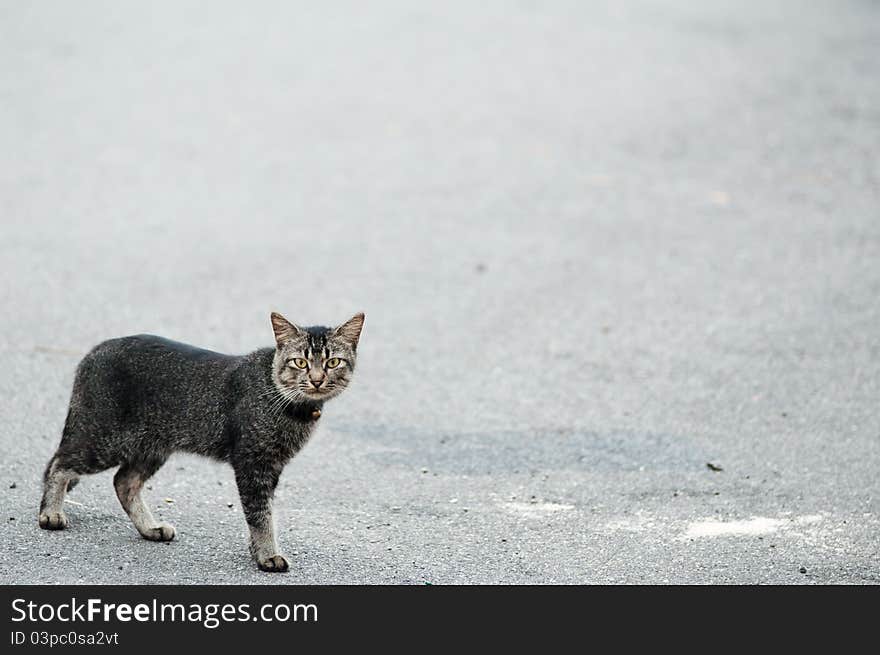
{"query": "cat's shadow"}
{"type": "Point", "coordinates": [498, 452]}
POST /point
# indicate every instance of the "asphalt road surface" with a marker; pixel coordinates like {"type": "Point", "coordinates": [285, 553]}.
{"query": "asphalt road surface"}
{"type": "Point", "coordinates": [599, 245]}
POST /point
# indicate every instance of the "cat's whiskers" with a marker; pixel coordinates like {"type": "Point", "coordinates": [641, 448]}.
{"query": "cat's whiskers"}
{"type": "Point", "coordinates": [278, 402]}
{"type": "Point", "coordinates": [282, 398]}
{"type": "Point", "coordinates": [277, 409]}
{"type": "Point", "coordinates": [270, 391]}
{"type": "Point", "coordinates": [276, 399]}
{"type": "Point", "coordinates": [285, 399]}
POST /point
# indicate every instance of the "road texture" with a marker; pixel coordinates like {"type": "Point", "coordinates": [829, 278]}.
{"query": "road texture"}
{"type": "Point", "coordinates": [599, 245]}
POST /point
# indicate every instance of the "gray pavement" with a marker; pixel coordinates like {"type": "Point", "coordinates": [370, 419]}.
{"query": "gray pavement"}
{"type": "Point", "coordinates": [599, 245]}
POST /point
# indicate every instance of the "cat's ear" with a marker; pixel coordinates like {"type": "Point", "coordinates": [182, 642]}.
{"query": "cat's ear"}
{"type": "Point", "coordinates": [284, 329]}
{"type": "Point", "coordinates": [350, 331]}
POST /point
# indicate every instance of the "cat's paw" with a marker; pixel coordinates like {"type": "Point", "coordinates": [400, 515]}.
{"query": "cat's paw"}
{"type": "Point", "coordinates": [53, 520]}
{"type": "Point", "coordinates": [162, 532]}
{"type": "Point", "coordinates": [273, 564]}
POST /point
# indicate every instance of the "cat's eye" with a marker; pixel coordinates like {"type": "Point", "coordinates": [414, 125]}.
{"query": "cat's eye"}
{"type": "Point", "coordinates": [333, 362]}
{"type": "Point", "coordinates": [299, 362]}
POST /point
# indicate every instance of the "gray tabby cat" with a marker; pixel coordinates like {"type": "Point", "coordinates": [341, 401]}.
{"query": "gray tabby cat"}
{"type": "Point", "coordinates": [136, 400]}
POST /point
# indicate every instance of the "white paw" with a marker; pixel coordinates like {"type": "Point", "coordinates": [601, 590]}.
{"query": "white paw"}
{"type": "Point", "coordinates": [53, 520]}
{"type": "Point", "coordinates": [162, 532]}
{"type": "Point", "coordinates": [273, 564]}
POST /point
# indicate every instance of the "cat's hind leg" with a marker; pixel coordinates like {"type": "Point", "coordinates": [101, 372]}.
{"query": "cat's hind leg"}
{"type": "Point", "coordinates": [77, 455]}
{"type": "Point", "coordinates": [129, 480]}
{"type": "Point", "coordinates": [57, 479]}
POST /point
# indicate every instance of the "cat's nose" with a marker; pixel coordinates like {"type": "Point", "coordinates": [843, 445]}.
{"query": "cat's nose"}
{"type": "Point", "coordinates": [317, 383]}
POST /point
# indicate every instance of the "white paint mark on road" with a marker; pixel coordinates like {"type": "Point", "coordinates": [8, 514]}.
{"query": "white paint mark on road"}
{"type": "Point", "coordinates": [754, 526]}
{"type": "Point", "coordinates": [757, 525]}
{"type": "Point", "coordinates": [638, 522]}
{"type": "Point", "coordinates": [807, 519]}
{"type": "Point", "coordinates": [537, 510]}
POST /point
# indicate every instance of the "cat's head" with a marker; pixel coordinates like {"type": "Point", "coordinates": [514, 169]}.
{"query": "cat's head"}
{"type": "Point", "coordinates": [314, 363]}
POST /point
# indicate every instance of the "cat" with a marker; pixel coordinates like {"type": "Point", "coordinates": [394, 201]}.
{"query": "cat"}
{"type": "Point", "coordinates": [138, 399]}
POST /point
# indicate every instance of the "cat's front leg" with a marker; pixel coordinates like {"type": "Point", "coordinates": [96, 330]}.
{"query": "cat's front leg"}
{"type": "Point", "coordinates": [256, 487]}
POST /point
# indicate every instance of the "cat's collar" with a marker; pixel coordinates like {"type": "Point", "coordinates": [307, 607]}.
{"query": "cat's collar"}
{"type": "Point", "coordinates": [304, 412]}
